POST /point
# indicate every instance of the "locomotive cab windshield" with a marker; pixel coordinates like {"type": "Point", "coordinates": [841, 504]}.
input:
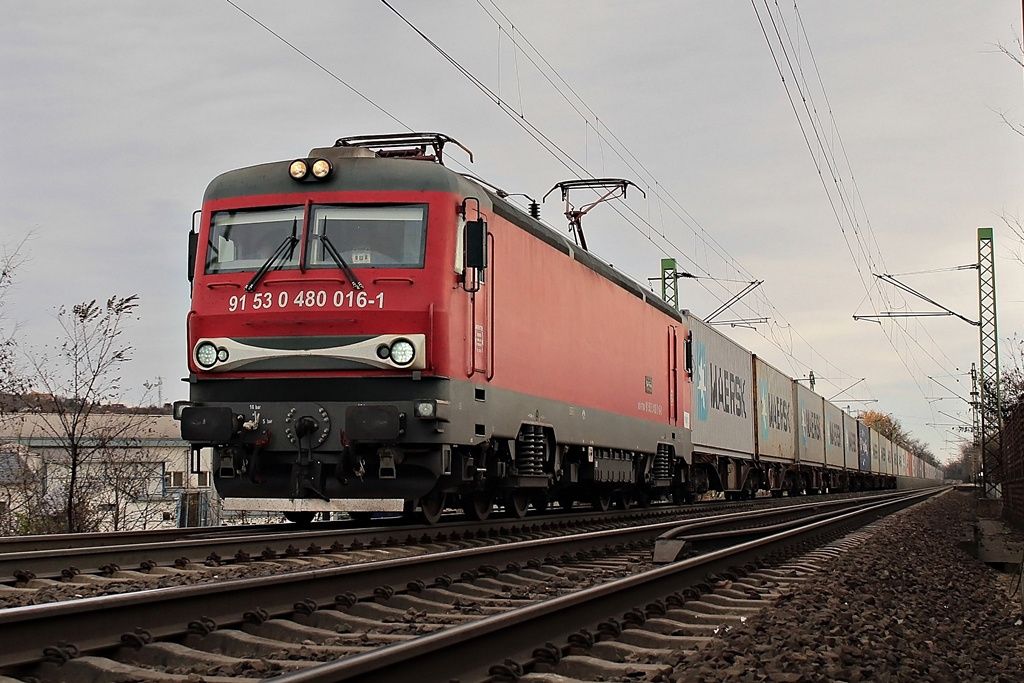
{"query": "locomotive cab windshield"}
{"type": "Point", "coordinates": [364, 236]}
{"type": "Point", "coordinates": [369, 236]}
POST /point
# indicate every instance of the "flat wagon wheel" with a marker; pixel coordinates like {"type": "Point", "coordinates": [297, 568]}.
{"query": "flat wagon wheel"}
{"type": "Point", "coordinates": [602, 502]}
{"type": "Point", "coordinates": [516, 504]}
{"type": "Point", "coordinates": [478, 506]}
{"type": "Point", "coordinates": [431, 506]}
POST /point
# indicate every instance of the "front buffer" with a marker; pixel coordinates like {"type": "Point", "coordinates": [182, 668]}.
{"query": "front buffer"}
{"type": "Point", "coordinates": [321, 455]}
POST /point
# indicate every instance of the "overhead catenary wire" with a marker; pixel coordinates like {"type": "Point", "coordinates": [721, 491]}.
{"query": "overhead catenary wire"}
{"type": "Point", "coordinates": [607, 140]}
{"type": "Point", "coordinates": [320, 66]}
{"type": "Point", "coordinates": [867, 256]}
{"type": "Point", "coordinates": [639, 170]}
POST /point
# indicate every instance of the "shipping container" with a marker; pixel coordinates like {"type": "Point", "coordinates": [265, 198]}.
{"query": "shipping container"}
{"type": "Point", "coordinates": [876, 452]}
{"type": "Point", "coordinates": [776, 421]}
{"type": "Point", "coordinates": [722, 386]}
{"type": "Point", "coordinates": [811, 432]}
{"type": "Point", "coordinates": [864, 439]}
{"type": "Point", "coordinates": [834, 449]}
{"type": "Point", "coordinates": [851, 440]}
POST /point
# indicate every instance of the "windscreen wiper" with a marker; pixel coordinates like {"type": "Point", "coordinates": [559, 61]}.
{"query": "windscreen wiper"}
{"type": "Point", "coordinates": [285, 247]}
{"type": "Point", "coordinates": [341, 262]}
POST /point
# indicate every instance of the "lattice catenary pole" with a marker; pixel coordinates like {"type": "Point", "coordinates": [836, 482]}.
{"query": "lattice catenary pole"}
{"type": "Point", "coordinates": [990, 399]}
{"type": "Point", "coordinates": [670, 282]}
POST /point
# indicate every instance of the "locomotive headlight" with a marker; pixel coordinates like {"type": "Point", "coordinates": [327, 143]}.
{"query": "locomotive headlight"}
{"type": "Point", "coordinates": [425, 409]}
{"type": "Point", "coordinates": [222, 355]}
{"type": "Point", "coordinates": [402, 351]}
{"type": "Point", "coordinates": [206, 355]}
{"type": "Point", "coordinates": [321, 168]}
{"type": "Point", "coordinates": [299, 169]}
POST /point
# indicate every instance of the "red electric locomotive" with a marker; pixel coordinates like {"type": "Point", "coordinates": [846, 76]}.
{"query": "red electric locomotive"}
{"type": "Point", "coordinates": [373, 331]}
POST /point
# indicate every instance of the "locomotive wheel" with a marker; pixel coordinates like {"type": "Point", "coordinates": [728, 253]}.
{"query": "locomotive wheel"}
{"type": "Point", "coordinates": [516, 504]}
{"type": "Point", "coordinates": [602, 502]}
{"type": "Point", "coordinates": [623, 501]}
{"type": "Point", "coordinates": [478, 506]}
{"type": "Point", "coordinates": [431, 506]}
{"type": "Point", "coordinates": [302, 518]}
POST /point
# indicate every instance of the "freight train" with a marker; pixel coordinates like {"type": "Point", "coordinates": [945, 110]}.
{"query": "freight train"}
{"type": "Point", "coordinates": [370, 330]}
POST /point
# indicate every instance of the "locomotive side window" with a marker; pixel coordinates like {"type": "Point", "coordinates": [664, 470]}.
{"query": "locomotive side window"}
{"type": "Point", "coordinates": [245, 240]}
{"type": "Point", "coordinates": [369, 236]}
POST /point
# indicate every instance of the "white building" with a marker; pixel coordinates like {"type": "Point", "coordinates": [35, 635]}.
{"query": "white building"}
{"type": "Point", "coordinates": [133, 473]}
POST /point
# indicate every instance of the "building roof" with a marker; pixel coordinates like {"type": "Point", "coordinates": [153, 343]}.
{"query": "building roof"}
{"type": "Point", "coordinates": [43, 430]}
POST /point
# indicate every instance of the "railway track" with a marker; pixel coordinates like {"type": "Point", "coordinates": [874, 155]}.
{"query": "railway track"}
{"type": "Point", "coordinates": [37, 562]}
{"type": "Point", "coordinates": [454, 613]}
{"type": "Point", "coordinates": [127, 557]}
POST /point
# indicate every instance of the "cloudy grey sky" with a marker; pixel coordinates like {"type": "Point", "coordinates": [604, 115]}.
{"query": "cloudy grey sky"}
{"type": "Point", "coordinates": [115, 115]}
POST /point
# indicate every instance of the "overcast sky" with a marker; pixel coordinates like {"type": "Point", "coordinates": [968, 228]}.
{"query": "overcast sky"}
{"type": "Point", "coordinates": [114, 116]}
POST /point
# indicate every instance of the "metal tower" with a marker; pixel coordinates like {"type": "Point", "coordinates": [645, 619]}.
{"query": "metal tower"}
{"type": "Point", "coordinates": [990, 400]}
{"type": "Point", "coordinates": [670, 282]}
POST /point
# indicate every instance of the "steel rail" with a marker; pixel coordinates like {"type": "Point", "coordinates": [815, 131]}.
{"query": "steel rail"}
{"type": "Point", "coordinates": [51, 563]}
{"type": "Point", "coordinates": [95, 624]}
{"type": "Point", "coordinates": [465, 652]}
{"type": "Point", "coordinates": [92, 553]}
{"type": "Point", "coordinates": [42, 542]}
{"type": "Point", "coordinates": [738, 525]}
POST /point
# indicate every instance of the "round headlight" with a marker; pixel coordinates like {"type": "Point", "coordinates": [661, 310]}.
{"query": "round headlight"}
{"type": "Point", "coordinates": [206, 355]}
{"type": "Point", "coordinates": [402, 352]}
{"type": "Point", "coordinates": [425, 409]}
{"type": "Point", "coordinates": [299, 169]}
{"type": "Point", "coordinates": [321, 168]}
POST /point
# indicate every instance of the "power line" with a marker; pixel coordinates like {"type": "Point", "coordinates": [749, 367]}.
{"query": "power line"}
{"type": "Point", "coordinates": [579, 170]}
{"type": "Point", "coordinates": [844, 205]}
{"type": "Point", "coordinates": [320, 66]}
{"type": "Point", "coordinates": [639, 170]}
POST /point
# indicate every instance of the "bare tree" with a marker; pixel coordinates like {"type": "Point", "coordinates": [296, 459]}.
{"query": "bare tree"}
{"type": "Point", "coordinates": [892, 429]}
{"type": "Point", "coordinates": [11, 259]}
{"type": "Point", "coordinates": [131, 483]}
{"type": "Point", "coordinates": [74, 381]}
{"type": "Point", "coordinates": [963, 468]}
{"type": "Point", "coordinates": [1013, 222]}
